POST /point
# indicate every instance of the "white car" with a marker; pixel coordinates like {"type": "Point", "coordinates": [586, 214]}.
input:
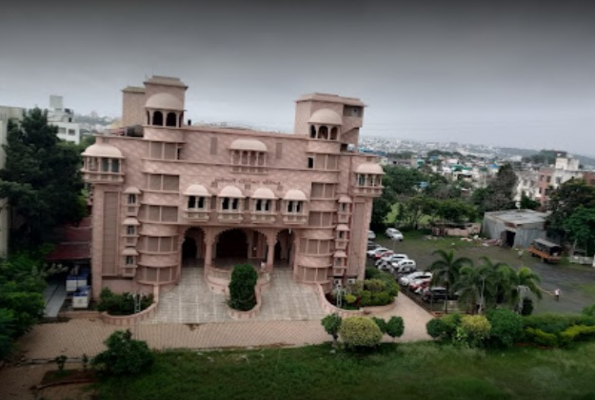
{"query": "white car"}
{"type": "Point", "coordinates": [371, 235]}
{"type": "Point", "coordinates": [391, 259]}
{"type": "Point", "coordinates": [394, 234]}
{"type": "Point", "coordinates": [406, 280]}
{"type": "Point", "coordinates": [398, 265]}
{"type": "Point", "coordinates": [373, 252]}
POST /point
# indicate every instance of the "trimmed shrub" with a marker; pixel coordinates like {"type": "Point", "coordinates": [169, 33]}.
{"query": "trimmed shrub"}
{"type": "Point", "coordinates": [120, 304]}
{"type": "Point", "coordinates": [395, 327]}
{"type": "Point", "coordinates": [372, 273]}
{"type": "Point", "coordinates": [350, 298]}
{"type": "Point", "coordinates": [381, 324]}
{"type": "Point", "coordinates": [451, 322]}
{"type": "Point", "coordinates": [124, 356]}
{"type": "Point", "coordinates": [556, 323]}
{"type": "Point", "coordinates": [589, 311]}
{"type": "Point", "coordinates": [507, 327]}
{"type": "Point", "coordinates": [331, 324]}
{"type": "Point", "coordinates": [540, 337]}
{"type": "Point", "coordinates": [436, 328]}
{"type": "Point", "coordinates": [476, 329]}
{"type": "Point", "coordinates": [241, 287]}
{"type": "Point", "coordinates": [576, 333]}
{"type": "Point", "coordinates": [360, 332]}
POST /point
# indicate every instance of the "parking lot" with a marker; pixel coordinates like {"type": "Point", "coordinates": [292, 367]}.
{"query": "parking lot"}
{"type": "Point", "coordinates": [576, 282]}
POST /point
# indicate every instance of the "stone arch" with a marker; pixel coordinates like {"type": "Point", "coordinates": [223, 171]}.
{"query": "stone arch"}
{"type": "Point", "coordinates": [192, 246]}
{"type": "Point", "coordinates": [157, 118]}
{"type": "Point", "coordinates": [171, 119]}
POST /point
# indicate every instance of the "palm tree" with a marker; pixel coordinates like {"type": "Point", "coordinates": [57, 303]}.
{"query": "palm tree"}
{"type": "Point", "coordinates": [501, 277]}
{"type": "Point", "coordinates": [446, 270]}
{"type": "Point", "coordinates": [524, 281]}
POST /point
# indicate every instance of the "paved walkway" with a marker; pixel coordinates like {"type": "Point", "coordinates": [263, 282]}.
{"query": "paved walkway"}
{"type": "Point", "coordinates": [191, 302]}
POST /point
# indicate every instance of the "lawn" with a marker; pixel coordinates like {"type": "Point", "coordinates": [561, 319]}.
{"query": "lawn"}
{"type": "Point", "coordinates": [407, 371]}
{"type": "Point", "coordinates": [577, 282]}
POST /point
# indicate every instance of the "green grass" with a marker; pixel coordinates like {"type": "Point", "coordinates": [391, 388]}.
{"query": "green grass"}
{"type": "Point", "coordinates": [409, 371]}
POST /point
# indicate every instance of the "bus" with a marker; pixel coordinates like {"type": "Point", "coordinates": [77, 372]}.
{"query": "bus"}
{"type": "Point", "coordinates": [546, 250]}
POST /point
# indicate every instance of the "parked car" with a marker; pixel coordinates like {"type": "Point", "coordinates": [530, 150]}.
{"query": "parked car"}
{"type": "Point", "coordinates": [405, 270]}
{"type": "Point", "coordinates": [372, 252]}
{"type": "Point", "coordinates": [386, 252]}
{"type": "Point", "coordinates": [417, 285]}
{"type": "Point", "coordinates": [372, 246]}
{"type": "Point", "coordinates": [371, 235]}
{"type": "Point", "coordinates": [391, 259]}
{"type": "Point", "coordinates": [394, 234]}
{"type": "Point", "coordinates": [401, 263]}
{"type": "Point", "coordinates": [435, 294]}
{"type": "Point", "coordinates": [406, 280]}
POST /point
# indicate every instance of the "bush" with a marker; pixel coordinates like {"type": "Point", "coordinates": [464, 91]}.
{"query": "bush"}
{"type": "Point", "coordinates": [120, 304]}
{"type": "Point", "coordinates": [436, 328]}
{"type": "Point", "coordinates": [556, 323]}
{"type": "Point", "coordinates": [589, 311]}
{"type": "Point", "coordinates": [331, 324]}
{"type": "Point", "coordinates": [507, 327]}
{"type": "Point", "coordinates": [241, 287]}
{"type": "Point", "coordinates": [476, 329]}
{"type": "Point", "coordinates": [124, 356]}
{"type": "Point", "coordinates": [576, 333]}
{"type": "Point", "coordinates": [381, 324]}
{"type": "Point", "coordinates": [395, 327]}
{"type": "Point", "coordinates": [358, 332]}
{"type": "Point", "coordinates": [540, 337]}
{"type": "Point", "coordinates": [451, 322]}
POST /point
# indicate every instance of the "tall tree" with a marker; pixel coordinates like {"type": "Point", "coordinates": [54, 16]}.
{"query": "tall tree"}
{"type": "Point", "coordinates": [580, 227]}
{"type": "Point", "coordinates": [41, 179]}
{"type": "Point", "coordinates": [525, 282]}
{"type": "Point", "coordinates": [501, 190]}
{"type": "Point", "coordinates": [565, 200]}
{"type": "Point", "coordinates": [446, 270]}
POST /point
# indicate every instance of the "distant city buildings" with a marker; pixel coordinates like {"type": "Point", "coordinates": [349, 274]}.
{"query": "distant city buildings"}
{"type": "Point", "coordinates": [63, 118]}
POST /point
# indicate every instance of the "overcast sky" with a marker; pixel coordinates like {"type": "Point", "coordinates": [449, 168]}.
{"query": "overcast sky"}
{"type": "Point", "coordinates": [506, 73]}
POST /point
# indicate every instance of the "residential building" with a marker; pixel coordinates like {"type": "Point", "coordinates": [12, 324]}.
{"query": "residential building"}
{"type": "Point", "coordinates": [169, 195]}
{"type": "Point", "coordinates": [550, 178]}
{"type": "Point", "coordinates": [63, 118]}
{"type": "Point", "coordinates": [6, 114]}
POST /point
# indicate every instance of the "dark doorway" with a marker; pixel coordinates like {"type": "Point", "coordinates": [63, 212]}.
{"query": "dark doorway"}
{"type": "Point", "coordinates": [232, 244]}
{"type": "Point", "coordinates": [189, 249]}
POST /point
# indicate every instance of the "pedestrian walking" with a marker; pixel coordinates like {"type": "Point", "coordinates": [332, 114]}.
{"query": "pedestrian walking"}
{"type": "Point", "coordinates": [557, 294]}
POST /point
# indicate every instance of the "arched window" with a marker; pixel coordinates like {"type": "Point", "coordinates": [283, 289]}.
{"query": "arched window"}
{"type": "Point", "coordinates": [312, 132]}
{"type": "Point", "coordinates": [171, 119]}
{"type": "Point", "coordinates": [148, 118]}
{"type": "Point", "coordinates": [157, 118]}
{"type": "Point", "coordinates": [334, 133]}
{"type": "Point", "coordinates": [323, 133]}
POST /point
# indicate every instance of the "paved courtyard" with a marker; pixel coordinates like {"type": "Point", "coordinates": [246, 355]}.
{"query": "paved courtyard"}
{"type": "Point", "coordinates": [191, 302]}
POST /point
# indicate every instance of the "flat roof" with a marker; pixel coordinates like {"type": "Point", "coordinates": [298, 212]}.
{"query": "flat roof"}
{"type": "Point", "coordinates": [518, 217]}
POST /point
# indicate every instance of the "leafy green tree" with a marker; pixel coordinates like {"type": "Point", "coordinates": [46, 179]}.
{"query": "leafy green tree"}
{"type": "Point", "coordinates": [446, 270]}
{"type": "Point", "coordinates": [360, 332]}
{"type": "Point", "coordinates": [332, 324]}
{"type": "Point", "coordinates": [455, 210]}
{"type": "Point", "coordinates": [507, 327]}
{"type": "Point", "coordinates": [381, 206]}
{"type": "Point", "coordinates": [580, 228]}
{"type": "Point", "coordinates": [567, 199]}
{"type": "Point", "coordinates": [524, 283]}
{"type": "Point", "coordinates": [501, 190]}
{"type": "Point", "coordinates": [528, 203]}
{"type": "Point", "coordinates": [6, 333]}
{"type": "Point", "coordinates": [241, 287]}
{"type": "Point", "coordinates": [124, 356]}
{"type": "Point", "coordinates": [41, 179]}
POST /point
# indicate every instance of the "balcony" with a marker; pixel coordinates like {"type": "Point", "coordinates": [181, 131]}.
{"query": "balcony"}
{"type": "Point", "coordinates": [259, 217]}
{"type": "Point", "coordinates": [372, 191]}
{"type": "Point", "coordinates": [294, 219]}
{"type": "Point", "coordinates": [230, 216]}
{"type": "Point", "coordinates": [196, 214]}
{"type": "Point", "coordinates": [102, 177]}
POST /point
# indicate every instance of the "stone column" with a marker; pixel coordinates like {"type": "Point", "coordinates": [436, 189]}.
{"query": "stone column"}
{"type": "Point", "coordinates": [209, 242]}
{"type": "Point", "coordinates": [271, 241]}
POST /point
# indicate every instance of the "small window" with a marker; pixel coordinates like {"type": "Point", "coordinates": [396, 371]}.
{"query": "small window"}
{"type": "Point", "coordinates": [131, 230]}
{"type": "Point", "coordinates": [225, 203]}
{"type": "Point", "coordinates": [192, 202]}
{"type": "Point", "coordinates": [130, 260]}
{"type": "Point", "coordinates": [131, 199]}
{"type": "Point", "coordinates": [310, 162]}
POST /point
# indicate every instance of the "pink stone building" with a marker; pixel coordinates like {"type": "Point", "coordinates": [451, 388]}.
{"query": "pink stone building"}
{"type": "Point", "coordinates": [168, 195]}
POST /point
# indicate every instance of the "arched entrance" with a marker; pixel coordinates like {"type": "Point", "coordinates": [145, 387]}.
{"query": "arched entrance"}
{"type": "Point", "coordinates": [232, 244]}
{"type": "Point", "coordinates": [284, 248]}
{"type": "Point", "coordinates": [193, 247]}
{"type": "Point", "coordinates": [239, 246]}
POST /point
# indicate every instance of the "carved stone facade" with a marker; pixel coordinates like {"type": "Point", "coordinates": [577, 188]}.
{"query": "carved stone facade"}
{"type": "Point", "coordinates": [168, 194]}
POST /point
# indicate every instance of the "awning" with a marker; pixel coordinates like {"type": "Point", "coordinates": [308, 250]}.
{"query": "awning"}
{"type": "Point", "coordinates": [130, 251]}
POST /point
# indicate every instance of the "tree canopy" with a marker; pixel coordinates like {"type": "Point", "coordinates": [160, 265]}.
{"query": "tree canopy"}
{"type": "Point", "coordinates": [41, 179]}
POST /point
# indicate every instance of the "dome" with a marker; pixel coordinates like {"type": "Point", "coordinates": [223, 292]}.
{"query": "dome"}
{"type": "Point", "coordinates": [248, 145]}
{"type": "Point", "coordinates": [264, 193]}
{"type": "Point", "coordinates": [342, 228]}
{"type": "Point", "coordinates": [325, 116]}
{"type": "Point", "coordinates": [131, 221]}
{"type": "Point", "coordinates": [231, 191]}
{"type": "Point", "coordinates": [164, 101]}
{"type": "Point", "coordinates": [197, 190]}
{"type": "Point", "coordinates": [369, 168]}
{"type": "Point", "coordinates": [132, 190]}
{"type": "Point", "coordinates": [102, 150]}
{"type": "Point", "coordinates": [295, 194]}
